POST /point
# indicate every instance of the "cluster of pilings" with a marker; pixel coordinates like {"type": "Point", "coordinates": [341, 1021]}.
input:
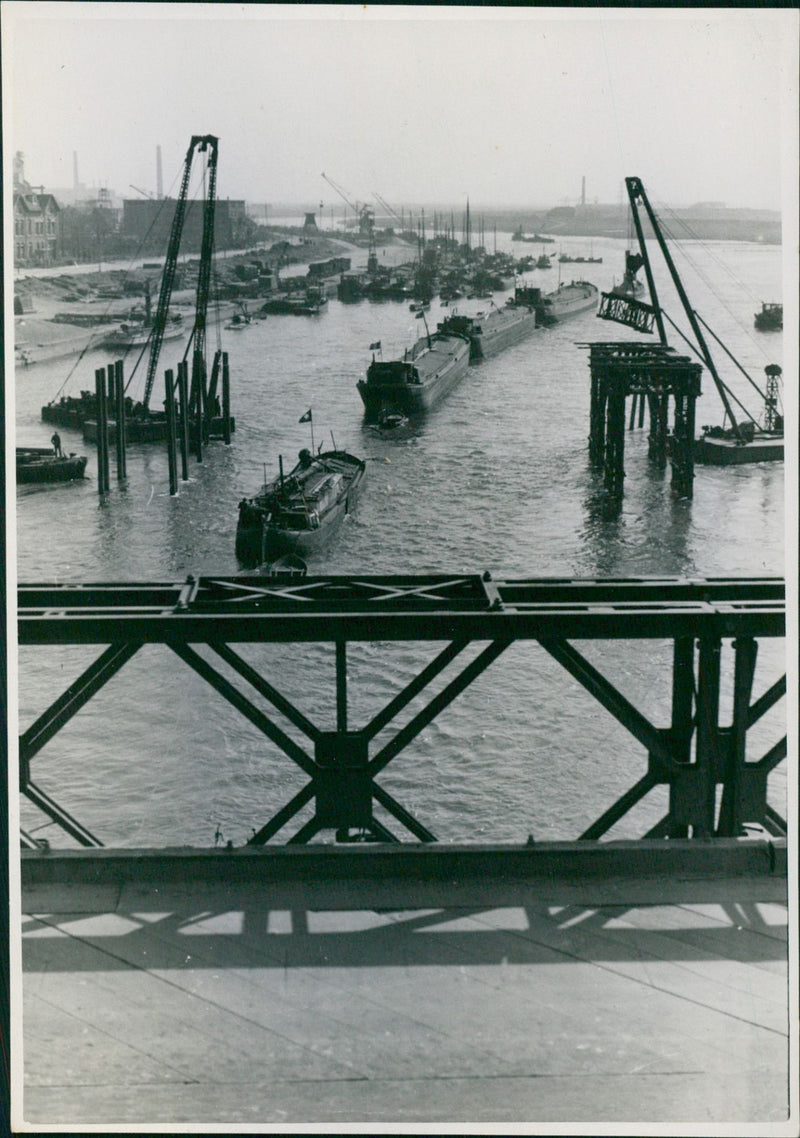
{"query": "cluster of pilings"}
{"type": "Point", "coordinates": [191, 417]}
{"type": "Point", "coordinates": [652, 374]}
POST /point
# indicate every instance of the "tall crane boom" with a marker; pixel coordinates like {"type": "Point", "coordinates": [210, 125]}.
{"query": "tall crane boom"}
{"type": "Point", "coordinates": [636, 194]}
{"type": "Point", "coordinates": [366, 216]}
{"type": "Point", "coordinates": [341, 193]}
{"type": "Point", "coordinates": [392, 213]}
{"type": "Point", "coordinates": [204, 142]}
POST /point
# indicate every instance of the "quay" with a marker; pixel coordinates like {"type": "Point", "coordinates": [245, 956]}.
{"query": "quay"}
{"type": "Point", "coordinates": [414, 983]}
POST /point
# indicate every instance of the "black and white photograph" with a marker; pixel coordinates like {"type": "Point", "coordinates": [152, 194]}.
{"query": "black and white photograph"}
{"type": "Point", "coordinates": [401, 568]}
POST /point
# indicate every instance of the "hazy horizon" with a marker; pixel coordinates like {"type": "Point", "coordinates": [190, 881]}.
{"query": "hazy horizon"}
{"type": "Point", "coordinates": [430, 105]}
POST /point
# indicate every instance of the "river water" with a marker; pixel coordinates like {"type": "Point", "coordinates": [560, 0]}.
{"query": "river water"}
{"type": "Point", "coordinates": [496, 478]}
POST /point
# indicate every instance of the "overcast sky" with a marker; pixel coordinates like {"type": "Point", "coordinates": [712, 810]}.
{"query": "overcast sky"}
{"type": "Point", "coordinates": [508, 106]}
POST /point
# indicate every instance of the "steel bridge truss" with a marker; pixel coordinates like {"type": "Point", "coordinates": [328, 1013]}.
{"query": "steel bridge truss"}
{"type": "Point", "coordinates": [715, 789]}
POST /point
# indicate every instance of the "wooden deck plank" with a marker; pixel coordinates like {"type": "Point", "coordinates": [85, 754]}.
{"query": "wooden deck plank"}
{"type": "Point", "coordinates": [224, 1006]}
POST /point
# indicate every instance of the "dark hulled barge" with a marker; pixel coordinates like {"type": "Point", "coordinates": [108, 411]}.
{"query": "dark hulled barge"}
{"type": "Point", "coordinates": [42, 464]}
{"type": "Point", "coordinates": [493, 331]}
{"type": "Point", "coordinates": [417, 381]}
{"type": "Point", "coordinates": [569, 300]}
{"type": "Point", "coordinates": [301, 512]}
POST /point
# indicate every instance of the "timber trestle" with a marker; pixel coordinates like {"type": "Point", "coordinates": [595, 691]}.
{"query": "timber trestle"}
{"type": "Point", "coordinates": [716, 786]}
{"type": "Point", "coordinates": [653, 374]}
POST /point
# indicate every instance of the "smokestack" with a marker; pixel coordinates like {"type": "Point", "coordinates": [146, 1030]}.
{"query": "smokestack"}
{"type": "Point", "coordinates": [583, 190]}
{"type": "Point", "coordinates": [159, 182]}
{"type": "Point", "coordinates": [75, 182]}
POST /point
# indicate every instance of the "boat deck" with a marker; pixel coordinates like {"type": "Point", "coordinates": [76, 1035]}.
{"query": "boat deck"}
{"type": "Point", "coordinates": [364, 1002]}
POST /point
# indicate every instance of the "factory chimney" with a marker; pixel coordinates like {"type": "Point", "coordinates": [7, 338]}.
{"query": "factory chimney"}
{"type": "Point", "coordinates": [159, 180]}
{"type": "Point", "coordinates": [583, 190]}
{"type": "Point", "coordinates": [75, 182]}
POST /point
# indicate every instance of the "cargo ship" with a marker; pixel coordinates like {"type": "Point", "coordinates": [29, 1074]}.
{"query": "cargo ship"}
{"type": "Point", "coordinates": [417, 381]}
{"type": "Point", "coordinates": [299, 513]}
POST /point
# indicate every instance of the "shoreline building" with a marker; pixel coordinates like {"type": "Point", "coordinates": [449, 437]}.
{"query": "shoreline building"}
{"type": "Point", "coordinates": [149, 221]}
{"type": "Point", "coordinates": [36, 221]}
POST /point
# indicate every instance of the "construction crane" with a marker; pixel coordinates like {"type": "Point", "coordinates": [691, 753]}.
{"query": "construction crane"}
{"type": "Point", "coordinates": [207, 143]}
{"type": "Point", "coordinates": [392, 213]}
{"type": "Point", "coordinates": [144, 193]}
{"type": "Point", "coordinates": [365, 215]}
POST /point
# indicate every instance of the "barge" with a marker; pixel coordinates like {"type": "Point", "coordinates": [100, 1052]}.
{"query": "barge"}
{"type": "Point", "coordinates": [420, 379]}
{"type": "Point", "coordinates": [300, 513]}
{"type": "Point", "coordinates": [42, 464]}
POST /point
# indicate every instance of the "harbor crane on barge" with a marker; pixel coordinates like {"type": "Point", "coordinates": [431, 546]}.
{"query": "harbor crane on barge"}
{"type": "Point", "coordinates": [745, 441]}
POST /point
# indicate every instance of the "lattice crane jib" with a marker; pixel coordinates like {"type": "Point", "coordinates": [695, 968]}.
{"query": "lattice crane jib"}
{"type": "Point", "coordinates": [637, 195]}
{"type": "Point", "coordinates": [203, 143]}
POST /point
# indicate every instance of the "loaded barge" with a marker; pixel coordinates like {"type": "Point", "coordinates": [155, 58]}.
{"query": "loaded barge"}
{"type": "Point", "coordinates": [494, 331]}
{"type": "Point", "coordinates": [417, 381]}
{"type": "Point", "coordinates": [301, 512]}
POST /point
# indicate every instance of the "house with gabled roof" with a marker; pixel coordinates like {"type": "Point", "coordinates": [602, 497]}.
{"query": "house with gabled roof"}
{"type": "Point", "coordinates": [36, 222]}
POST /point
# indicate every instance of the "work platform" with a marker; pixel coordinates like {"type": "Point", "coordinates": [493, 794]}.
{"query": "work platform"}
{"type": "Point", "coordinates": [573, 994]}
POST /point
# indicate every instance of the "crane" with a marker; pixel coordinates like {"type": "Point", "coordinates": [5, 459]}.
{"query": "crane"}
{"type": "Point", "coordinates": [392, 213]}
{"type": "Point", "coordinates": [204, 143]}
{"type": "Point", "coordinates": [366, 217]}
{"type": "Point", "coordinates": [144, 193]}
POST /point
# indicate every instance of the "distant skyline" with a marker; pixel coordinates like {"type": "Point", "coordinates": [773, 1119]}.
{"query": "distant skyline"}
{"type": "Point", "coordinates": [507, 106]}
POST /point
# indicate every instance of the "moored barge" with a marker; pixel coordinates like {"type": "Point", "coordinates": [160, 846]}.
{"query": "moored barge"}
{"type": "Point", "coordinates": [42, 464]}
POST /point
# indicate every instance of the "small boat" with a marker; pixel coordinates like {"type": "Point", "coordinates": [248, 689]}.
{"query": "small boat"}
{"type": "Point", "coordinates": [290, 565]}
{"type": "Point", "coordinates": [42, 464]}
{"type": "Point", "coordinates": [423, 376]}
{"type": "Point", "coordinates": [300, 513]}
{"type": "Point", "coordinates": [391, 419]}
{"type": "Point", "coordinates": [238, 321]}
{"type": "Point", "coordinates": [770, 318]}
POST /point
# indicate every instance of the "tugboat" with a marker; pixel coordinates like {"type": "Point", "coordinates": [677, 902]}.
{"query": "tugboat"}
{"type": "Point", "coordinates": [770, 318]}
{"type": "Point", "coordinates": [300, 513]}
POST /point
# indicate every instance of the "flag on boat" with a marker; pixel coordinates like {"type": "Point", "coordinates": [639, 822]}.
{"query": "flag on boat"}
{"type": "Point", "coordinates": [375, 347]}
{"type": "Point", "coordinates": [305, 418]}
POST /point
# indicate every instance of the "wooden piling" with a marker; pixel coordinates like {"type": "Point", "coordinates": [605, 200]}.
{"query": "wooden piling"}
{"type": "Point", "coordinates": [226, 400]}
{"type": "Point", "coordinates": [614, 464]}
{"type": "Point", "coordinates": [198, 403]}
{"type": "Point", "coordinates": [212, 400]}
{"type": "Point", "coordinates": [169, 405]}
{"type": "Point", "coordinates": [102, 431]}
{"type": "Point", "coordinates": [122, 430]}
{"type": "Point", "coordinates": [183, 432]}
